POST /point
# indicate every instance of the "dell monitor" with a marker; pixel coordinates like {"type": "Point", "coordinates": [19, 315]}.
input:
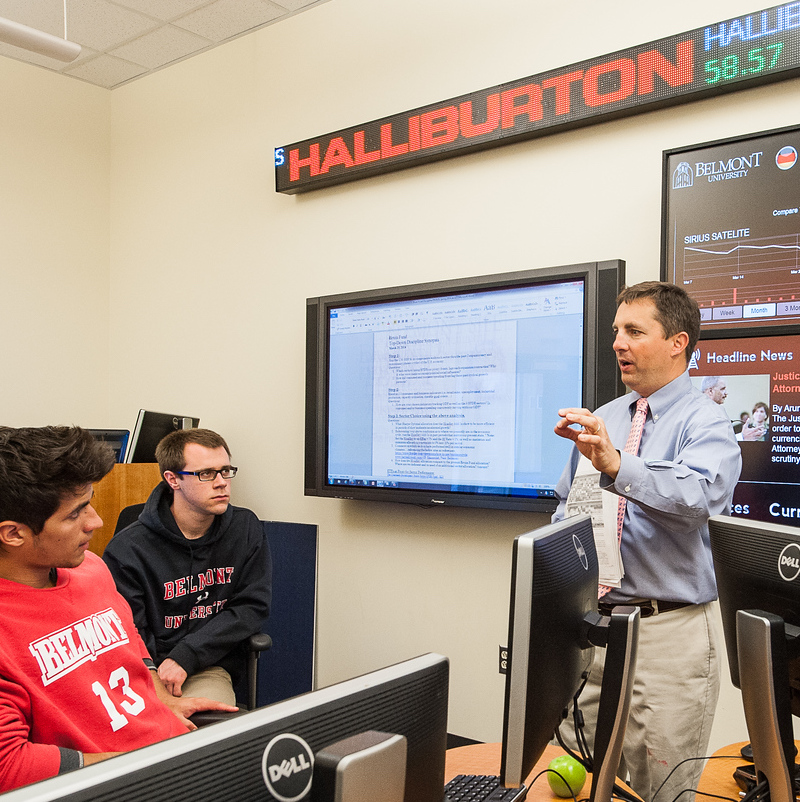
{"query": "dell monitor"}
{"type": "Point", "coordinates": [757, 566]}
{"type": "Point", "coordinates": [289, 750]}
{"type": "Point", "coordinates": [553, 627]}
{"type": "Point", "coordinates": [151, 428]}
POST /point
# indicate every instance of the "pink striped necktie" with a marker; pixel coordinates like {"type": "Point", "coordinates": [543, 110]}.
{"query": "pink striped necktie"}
{"type": "Point", "coordinates": [631, 447]}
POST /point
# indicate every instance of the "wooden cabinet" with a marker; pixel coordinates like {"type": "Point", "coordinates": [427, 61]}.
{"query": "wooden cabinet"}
{"type": "Point", "coordinates": [126, 484]}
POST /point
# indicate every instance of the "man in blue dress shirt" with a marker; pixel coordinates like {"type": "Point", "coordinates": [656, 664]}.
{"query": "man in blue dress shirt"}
{"type": "Point", "coordinates": [685, 471]}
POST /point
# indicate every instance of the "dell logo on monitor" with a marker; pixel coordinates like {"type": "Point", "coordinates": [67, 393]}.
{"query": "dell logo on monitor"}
{"type": "Point", "coordinates": [581, 552]}
{"type": "Point", "coordinates": [789, 562]}
{"type": "Point", "coordinates": [288, 767]}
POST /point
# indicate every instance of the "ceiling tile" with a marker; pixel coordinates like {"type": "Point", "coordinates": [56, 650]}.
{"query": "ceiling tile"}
{"type": "Point", "coordinates": [160, 47]}
{"type": "Point", "coordinates": [106, 71]}
{"type": "Point", "coordinates": [100, 24]}
{"type": "Point", "coordinates": [124, 39]}
{"type": "Point", "coordinates": [46, 15]}
{"type": "Point", "coordinates": [294, 5]}
{"type": "Point", "coordinates": [165, 10]}
{"type": "Point", "coordinates": [223, 19]}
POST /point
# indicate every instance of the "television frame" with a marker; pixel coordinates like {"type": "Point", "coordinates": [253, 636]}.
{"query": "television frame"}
{"type": "Point", "coordinates": [230, 761]}
{"type": "Point", "coordinates": [602, 280]}
{"type": "Point", "coordinates": [151, 428]}
{"type": "Point", "coordinates": [743, 207]}
{"type": "Point", "coordinates": [553, 628]}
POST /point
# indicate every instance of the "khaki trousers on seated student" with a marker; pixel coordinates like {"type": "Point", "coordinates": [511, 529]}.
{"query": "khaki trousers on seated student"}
{"type": "Point", "coordinates": [212, 683]}
{"type": "Point", "coordinates": [673, 704]}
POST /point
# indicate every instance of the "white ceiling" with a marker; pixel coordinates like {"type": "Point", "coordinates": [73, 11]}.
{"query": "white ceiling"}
{"type": "Point", "coordinates": [122, 40]}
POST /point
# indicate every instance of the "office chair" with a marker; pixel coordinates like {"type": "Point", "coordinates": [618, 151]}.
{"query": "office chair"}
{"type": "Point", "coordinates": [256, 644]}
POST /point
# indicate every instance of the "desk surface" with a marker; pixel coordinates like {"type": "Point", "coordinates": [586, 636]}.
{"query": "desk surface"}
{"type": "Point", "coordinates": [485, 759]}
{"type": "Point", "coordinates": [717, 776]}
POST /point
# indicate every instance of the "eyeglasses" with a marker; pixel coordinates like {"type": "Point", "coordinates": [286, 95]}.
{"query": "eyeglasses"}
{"type": "Point", "coordinates": [210, 474]}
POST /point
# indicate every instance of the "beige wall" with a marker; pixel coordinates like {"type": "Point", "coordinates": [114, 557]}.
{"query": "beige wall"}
{"type": "Point", "coordinates": [207, 268]}
{"type": "Point", "coordinates": [54, 238]}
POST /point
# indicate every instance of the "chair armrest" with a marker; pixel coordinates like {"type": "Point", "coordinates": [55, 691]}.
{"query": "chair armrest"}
{"type": "Point", "coordinates": [260, 642]}
{"type": "Point", "coordinates": [203, 718]}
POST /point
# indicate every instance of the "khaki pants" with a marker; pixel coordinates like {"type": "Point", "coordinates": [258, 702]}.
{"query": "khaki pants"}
{"type": "Point", "coordinates": [212, 683]}
{"type": "Point", "coordinates": [672, 708]}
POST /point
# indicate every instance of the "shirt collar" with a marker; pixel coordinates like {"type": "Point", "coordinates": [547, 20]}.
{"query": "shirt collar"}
{"type": "Point", "coordinates": [659, 401]}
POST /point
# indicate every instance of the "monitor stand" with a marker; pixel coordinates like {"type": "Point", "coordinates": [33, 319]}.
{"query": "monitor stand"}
{"type": "Point", "coordinates": [370, 765]}
{"type": "Point", "coordinates": [619, 634]}
{"type": "Point", "coordinates": [763, 647]}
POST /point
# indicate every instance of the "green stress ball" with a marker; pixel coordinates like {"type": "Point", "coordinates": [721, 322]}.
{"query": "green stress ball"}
{"type": "Point", "coordinates": [571, 770]}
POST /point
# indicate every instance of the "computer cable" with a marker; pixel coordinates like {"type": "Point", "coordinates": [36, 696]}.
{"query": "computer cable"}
{"type": "Point", "coordinates": [586, 758]}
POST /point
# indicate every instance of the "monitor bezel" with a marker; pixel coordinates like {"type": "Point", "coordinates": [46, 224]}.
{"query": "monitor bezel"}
{"type": "Point", "coordinates": [224, 761]}
{"type": "Point", "coordinates": [739, 547]}
{"type": "Point", "coordinates": [150, 428]}
{"type": "Point", "coordinates": [116, 438]}
{"type": "Point", "coordinates": [547, 567]}
{"type": "Point", "coordinates": [603, 281]}
{"type": "Point", "coordinates": [757, 566]}
{"type": "Point", "coordinates": [720, 331]}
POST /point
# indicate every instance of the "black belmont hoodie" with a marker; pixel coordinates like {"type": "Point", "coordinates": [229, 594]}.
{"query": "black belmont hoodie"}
{"type": "Point", "coordinates": [194, 601]}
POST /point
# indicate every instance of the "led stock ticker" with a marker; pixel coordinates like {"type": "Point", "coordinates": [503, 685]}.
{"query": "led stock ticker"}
{"type": "Point", "coordinates": [758, 60]}
{"type": "Point", "coordinates": [735, 54]}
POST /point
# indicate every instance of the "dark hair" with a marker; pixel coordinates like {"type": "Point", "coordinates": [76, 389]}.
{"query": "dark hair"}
{"type": "Point", "coordinates": [676, 311]}
{"type": "Point", "coordinates": [40, 467]}
{"type": "Point", "coordinates": [170, 451]}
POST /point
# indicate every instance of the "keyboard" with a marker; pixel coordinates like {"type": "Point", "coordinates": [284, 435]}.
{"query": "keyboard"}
{"type": "Point", "coordinates": [481, 788]}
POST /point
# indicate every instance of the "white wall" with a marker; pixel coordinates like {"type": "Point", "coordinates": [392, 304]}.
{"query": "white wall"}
{"type": "Point", "coordinates": [54, 236]}
{"type": "Point", "coordinates": [209, 269]}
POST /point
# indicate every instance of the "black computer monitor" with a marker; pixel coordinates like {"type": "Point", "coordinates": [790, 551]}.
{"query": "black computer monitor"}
{"type": "Point", "coordinates": [273, 754]}
{"type": "Point", "coordinates": [116, 438]}
{"type": "Point", "coordinates": [757, 565]}
{"type": "Point", "coordinates": [151, 428]}
{"type": "Point", "coordinates": [553, 626]}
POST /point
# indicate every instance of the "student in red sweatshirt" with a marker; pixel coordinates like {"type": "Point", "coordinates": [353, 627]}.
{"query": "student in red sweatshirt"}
{"type": "Point", "coordinates": [76, 682]}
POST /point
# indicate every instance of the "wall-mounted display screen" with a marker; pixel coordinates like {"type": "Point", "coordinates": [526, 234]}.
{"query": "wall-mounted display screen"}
{"type": "Point", "coordinates": [731, 229]}
{"type": "Point", "coordinates": [757, 381]}
{"type": "Point", "coordinates": [447, 393]}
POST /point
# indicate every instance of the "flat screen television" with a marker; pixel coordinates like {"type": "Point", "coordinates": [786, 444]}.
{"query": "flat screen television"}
{"type": "Point", "coordinates": [269, 754]}
{"type": "Point", "coordinates": [758, 384]}
{"type": "Point", "coordinates": [446, 393]}
{"type": "Point", "coordinates": [731, 229]}
{"type": "Point", "coordinates": [553, 628]}
{"type": "Point", "coordinates": [757, 566]}
{"type": "Point", "coordinates": [150, 429]}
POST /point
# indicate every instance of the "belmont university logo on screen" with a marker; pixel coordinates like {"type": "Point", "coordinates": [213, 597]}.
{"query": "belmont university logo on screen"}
{"type": "Point", "coordinates": [720, 170]}
{"type": "Point", "coordinates": [731, 168]}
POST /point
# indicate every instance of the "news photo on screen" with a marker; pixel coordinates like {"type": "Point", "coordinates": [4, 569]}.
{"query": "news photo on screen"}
{"type": "Point", "coordinates": [731, 229]}
{"type": "Point", "coordinates": [757, 381]}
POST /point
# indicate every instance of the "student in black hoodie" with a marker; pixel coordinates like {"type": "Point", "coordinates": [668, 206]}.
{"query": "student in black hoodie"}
{"type": "Point", "coordinates": [195, 570]}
